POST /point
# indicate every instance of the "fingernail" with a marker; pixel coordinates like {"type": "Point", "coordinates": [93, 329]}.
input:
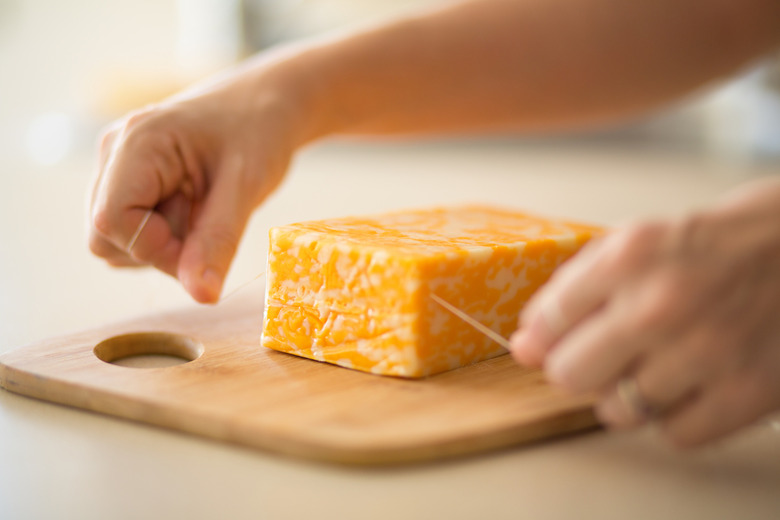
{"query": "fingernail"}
{"type": "Point", "coordinates": [212, 282]}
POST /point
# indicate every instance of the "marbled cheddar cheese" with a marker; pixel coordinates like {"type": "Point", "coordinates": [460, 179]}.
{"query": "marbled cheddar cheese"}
{"type": "Point", "coordinates": [355, 291]}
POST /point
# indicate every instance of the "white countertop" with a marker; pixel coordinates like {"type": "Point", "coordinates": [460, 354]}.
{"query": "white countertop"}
{"type": "Point", "coordinates": [57, 462]}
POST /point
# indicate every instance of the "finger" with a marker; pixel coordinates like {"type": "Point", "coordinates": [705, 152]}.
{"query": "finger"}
{"type": "Point", "coordinates": [615, 410]}
{"type": "Point", "coordinates": [144, 170]}
{"type": "Point", "coordinates": [176, 212]}
{"type": "Point", "coordinates": [529, 345]}
{"type": "Point", "coordinates": [154, 244]}
{"type": "Point", "coordinates": [98, 245]}
{"type": "Point", "coordinates": [597, 352]}
{"type": "Point", "coordinates": [586, 283]}
{"type": "Point", "coordinates": [735, 400]}
{"type": "Point", "coordinates": [684, 357]}
{"type": "Point", "coordinates": [558, 306]}
{"type": "Point", "coordinates": [662, 382]}
{"type": "Point", "coordinates": [105, 152]}
{"type": "Point", "coordinates": [583, 260]}
{"type": "Point", "coordinates": [664, 379]}
{"type": "Point", "coordinates": [209, 248]}
{"type": "Point", "coordinates": [109, 252]}
{"type": "Point", "coordinates": [161, 245]}
{"type": "Point", "coordinates": [674, 372]}
{"type": "Point", "coordinates": [721, 409]}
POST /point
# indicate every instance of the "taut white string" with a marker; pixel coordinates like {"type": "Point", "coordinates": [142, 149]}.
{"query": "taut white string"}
{"type": "Point", "coordinates": [138, 231]}
{"type": "Point", "coordinates": [487, 331]}
{"type": "Point", "coordinates": [241, 286]}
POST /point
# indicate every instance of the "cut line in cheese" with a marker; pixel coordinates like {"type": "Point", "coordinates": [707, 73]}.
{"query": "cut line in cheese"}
{"type": "Point", "coordinates": [355, 291]}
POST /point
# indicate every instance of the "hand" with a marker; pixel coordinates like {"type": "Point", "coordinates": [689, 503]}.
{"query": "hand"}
{"type": "Point", "coordinates": [202, 162]}
{"type": "Point", "coordinates": [686, 310]}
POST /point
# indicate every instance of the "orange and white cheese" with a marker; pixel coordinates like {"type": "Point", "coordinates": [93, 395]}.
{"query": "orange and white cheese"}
{"type": "Point", "coordinates": [356, 291]}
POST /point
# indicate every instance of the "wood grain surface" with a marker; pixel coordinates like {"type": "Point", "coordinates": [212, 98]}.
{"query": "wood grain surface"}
{"type": "Point", "coordinates": [239, 392]}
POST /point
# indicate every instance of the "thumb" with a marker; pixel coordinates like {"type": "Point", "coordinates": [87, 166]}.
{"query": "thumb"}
{"type": "Point", "coordinates": [212, 242]}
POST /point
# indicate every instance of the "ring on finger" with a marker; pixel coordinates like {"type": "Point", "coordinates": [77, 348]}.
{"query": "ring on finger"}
{"type": "Point", "coordinates": [632, 399]}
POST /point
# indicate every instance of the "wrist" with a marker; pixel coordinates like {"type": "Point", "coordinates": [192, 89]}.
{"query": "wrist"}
{"type": "Point", "coordinates": [277, 87]}
{"type": "Point", "coordinates": [349, 83]}
{"type": "Point", "coordinates": [290, 79]}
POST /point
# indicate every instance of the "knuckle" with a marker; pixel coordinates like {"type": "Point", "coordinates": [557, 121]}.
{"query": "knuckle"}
{"type": "Point", "coordinates": [105, 138]}
{"type": "Point", "coordinates": [652, 316]}
{"type": "Point", "coordinates": [102, 221]}
{"type": "Point", "coordinates": [701, 353]}
{"type": "Point", "coordinates": [658, 306]}
{"type": "Point", "coordinates": [142, 137]}
{"type": "Point", "coordinates": [680, 280]}
{"type": "Point", "coordinates": [719, 346]}
{"type": "Point", "coordinates": [149, 128]}
{"type": "Point", "coordinates": [750, 391]}
{"type": "Point", "coordinates": [138, 118]}
{"type": "Point", "coordinates": [633, 246]}
{"type": "Point", "coordinates": [691, 231]}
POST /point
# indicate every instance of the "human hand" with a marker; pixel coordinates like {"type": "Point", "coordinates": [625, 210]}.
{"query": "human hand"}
{"type": "Point", "coordinates": [674, 321]}
{"type": "Point", "coordinates": [201, 162]}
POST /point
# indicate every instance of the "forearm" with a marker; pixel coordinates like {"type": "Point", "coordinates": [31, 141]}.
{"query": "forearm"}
{"type": "Point", "coordinates": [528, 65]}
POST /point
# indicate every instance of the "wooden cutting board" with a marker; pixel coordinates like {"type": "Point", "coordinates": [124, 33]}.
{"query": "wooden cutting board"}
{"type": "Point", "coordinates": [237, 391]}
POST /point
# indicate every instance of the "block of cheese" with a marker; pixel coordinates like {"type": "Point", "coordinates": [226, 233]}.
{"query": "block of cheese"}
{"type": "Point", "coordinates": [356, 291]}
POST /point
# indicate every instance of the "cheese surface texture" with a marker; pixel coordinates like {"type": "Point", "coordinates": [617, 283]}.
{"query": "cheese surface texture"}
{"type": "Point", "coordinates": [356, 291]}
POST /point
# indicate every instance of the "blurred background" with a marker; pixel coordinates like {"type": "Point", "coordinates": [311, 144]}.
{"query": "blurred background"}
{"type": "Point", "coordinates": [69, 67]}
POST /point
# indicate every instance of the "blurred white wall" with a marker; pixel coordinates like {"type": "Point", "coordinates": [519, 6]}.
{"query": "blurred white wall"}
{"type": "Point", "coordinates": [59, 56]}
{"type": "Point", "coordinates": [69, 66]}
{"type": "Point", "coordinates": [273, 20]}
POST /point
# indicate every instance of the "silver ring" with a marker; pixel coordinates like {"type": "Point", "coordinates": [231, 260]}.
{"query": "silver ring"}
{"type": "Point", "coordinates": [138, 231]}
{"type": "Point", "coordinates": [629, 394]}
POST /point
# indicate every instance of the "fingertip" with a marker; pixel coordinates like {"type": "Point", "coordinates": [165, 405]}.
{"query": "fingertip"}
{"type": "Point", "coordinates": [201, 278]}
{"type": "Point", "coordinates": [517, 340]}
{"type": "Point", "coordinates": [204, 285]}
{"type": "Point", "coordinates": [212, 283]}
{"type": "Point", "coordinates": [522, 350]}
{"type": "Point", "coordinates": [527, 361]}
{"type": "Point", "coordinates": [531, 343]}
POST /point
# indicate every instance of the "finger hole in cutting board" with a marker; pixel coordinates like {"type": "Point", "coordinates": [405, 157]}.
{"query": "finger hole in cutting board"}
{"type": "Point", "coordinates": [148, 350]}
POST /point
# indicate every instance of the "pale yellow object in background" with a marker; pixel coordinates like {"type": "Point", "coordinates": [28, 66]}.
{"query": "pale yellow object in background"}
{"type": "Point", "coordinates": [117, 93]}
{"type": "Point", "coordinates": [356, 291]}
